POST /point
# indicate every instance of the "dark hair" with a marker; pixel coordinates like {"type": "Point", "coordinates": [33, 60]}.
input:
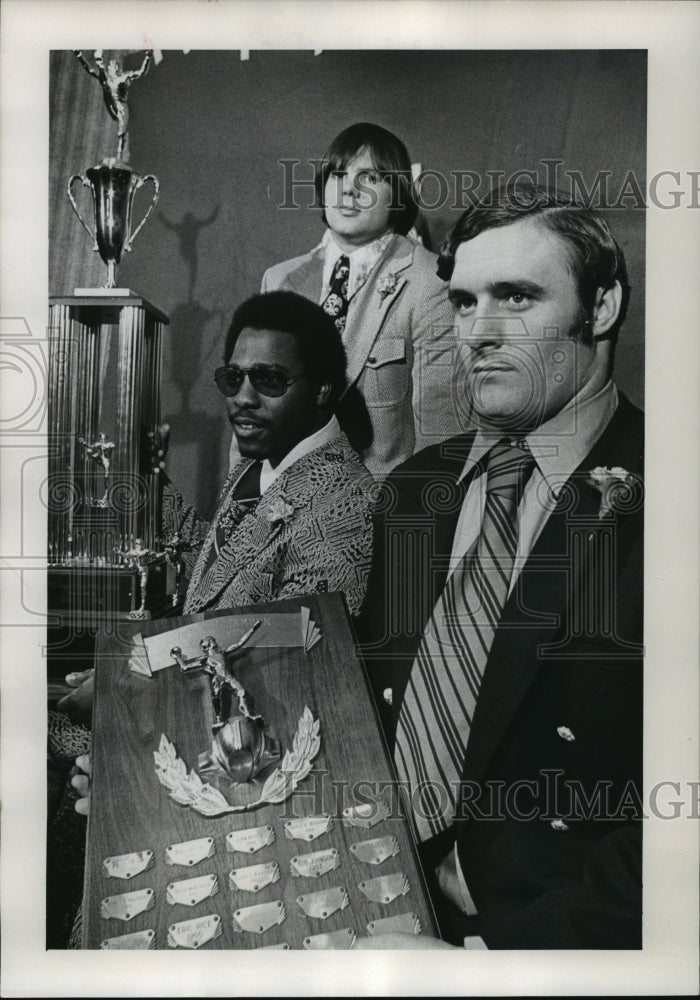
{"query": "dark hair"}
{"type": "Point", "coordinates": [390, 158]}
{"type": "Point", "coordinates": [596, 259]}
{"type": "Point", "coordinates": [318, 341]}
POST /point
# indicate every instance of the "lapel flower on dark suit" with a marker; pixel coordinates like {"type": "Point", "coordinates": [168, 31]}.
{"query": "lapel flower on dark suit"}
{"type": "Point", "coordinates": [620, 490]}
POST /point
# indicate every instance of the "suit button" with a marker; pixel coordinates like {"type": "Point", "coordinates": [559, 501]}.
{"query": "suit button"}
{"type": "Point", "coordinates": [565, 733]}
{"type": "Point", "coordinates": [372, 360]}
{"type": "Point", "coordinates": [388, 696]}
{"type": "Point", "coordinates": [559, 824]}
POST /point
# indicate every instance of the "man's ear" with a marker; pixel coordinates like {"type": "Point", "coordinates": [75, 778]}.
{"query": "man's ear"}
{"type": "Point", "coordinates": [606, 309]}
{"type": "Point", "coordinates": [323, 394]}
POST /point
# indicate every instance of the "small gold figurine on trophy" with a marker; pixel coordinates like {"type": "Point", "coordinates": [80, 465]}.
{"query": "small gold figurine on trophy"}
{"type": "Point", "coordinates": [101, 451]}
{"type": "Point", "coordinates": [112, 182]}
{"type": "Point", "coordinates": [115, 83]}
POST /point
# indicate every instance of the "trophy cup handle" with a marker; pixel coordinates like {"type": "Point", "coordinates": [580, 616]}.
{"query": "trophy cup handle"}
{"type": "Point", "coordinates": [86, 183]}
{"type": "Point", "coordinates": [142, 180]}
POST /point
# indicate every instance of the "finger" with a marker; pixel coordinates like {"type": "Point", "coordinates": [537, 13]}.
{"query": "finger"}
{"type": "Point", "coordinates": [84, 762]}
{"type": "Point", "coordinates": [81, 783]}
{"type": "Point", "coordinates": [76, 678]}
{"type": "Point", "coordinates": [82, 806]}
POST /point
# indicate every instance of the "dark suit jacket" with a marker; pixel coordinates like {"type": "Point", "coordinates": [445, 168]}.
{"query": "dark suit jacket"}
{"type": "Point", "coordinates": [556, 741]}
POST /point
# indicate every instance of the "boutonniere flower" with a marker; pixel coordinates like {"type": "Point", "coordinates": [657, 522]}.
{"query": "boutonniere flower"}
{"type": "Point", "coordinates": [386, 285]}
{"type": "Point", "coordinates": [616, 487]}
{"type": "Point", "coordinates": [279, 512]}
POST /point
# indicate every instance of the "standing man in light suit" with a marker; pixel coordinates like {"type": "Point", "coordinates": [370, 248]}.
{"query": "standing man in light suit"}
{"type": "Point", "coordinates": [383, 292]}
{"type": "Point", "coordinates": [503, 621]}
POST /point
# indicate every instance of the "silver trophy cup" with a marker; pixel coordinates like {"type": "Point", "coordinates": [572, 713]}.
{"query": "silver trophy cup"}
{"type": "Point", "coordinates": [113, 185]}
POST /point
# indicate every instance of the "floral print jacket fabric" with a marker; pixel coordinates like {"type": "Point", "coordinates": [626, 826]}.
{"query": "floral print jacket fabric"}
{"type": "Point", "coordinates": [310, 532]}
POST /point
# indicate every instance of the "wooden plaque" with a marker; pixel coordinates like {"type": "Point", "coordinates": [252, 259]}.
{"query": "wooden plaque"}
{"type": "Point", "coordinates": [132, 812]}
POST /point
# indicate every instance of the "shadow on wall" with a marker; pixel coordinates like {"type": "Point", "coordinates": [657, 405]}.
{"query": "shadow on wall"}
{"type": "Point", "coordinates": [195, 341]}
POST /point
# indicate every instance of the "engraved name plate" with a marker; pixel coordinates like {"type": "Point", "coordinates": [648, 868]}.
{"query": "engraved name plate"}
{"type": "Point", "coordinates": [335, 940]}
{"type": "Point", "coordinates": [315, 864]}
{"type": "Point", "coordinates": [274, 947]}
{"type": "Point", "coordinates": [258, 919]}
{"type": "Point", "coordinates": [385, 888]}
{"type": "Point", "coordinates": [140, 941]}
{"type": "Point", "coordinates": [407, 923]}
{"type": "Point", "coordinates": [127, 905]}
{"type": "Point", "coordinates": [374, 852]}
{"type": "Point", "coordinates": [250, 841]}
{"type": "Point", "coordinates": [194, 933]}
{"type": "Point", "coordinates": [366, 815]}
{"type": "Point", "coordinates": [190, 891]}
{"type": "Point", "coordinates": [254, 877]}
{"type": "Point", "coordinates": [307, 827]}
{"type": "Point", "coordinates": [322, 904]}
{"type": "Point", "coordinates": [190, 852]}
{"type": "Point", "coordinates": [128, 865]}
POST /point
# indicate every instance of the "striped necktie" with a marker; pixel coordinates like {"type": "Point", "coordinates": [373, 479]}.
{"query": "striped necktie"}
{"type": "Point", "coordinates": [336, 302]}
{"type": "Point", "coordinates": [443, 687]}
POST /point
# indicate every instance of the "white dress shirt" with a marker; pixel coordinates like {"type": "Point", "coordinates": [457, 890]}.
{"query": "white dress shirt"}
{"type": "Point", "coordinates": [323, 436]}
{"type": "Point", "coordinates": [362, 260]}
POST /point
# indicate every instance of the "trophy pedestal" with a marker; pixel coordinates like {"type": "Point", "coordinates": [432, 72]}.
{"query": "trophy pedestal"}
{"type": "Point", "coordinates": [104, 498]}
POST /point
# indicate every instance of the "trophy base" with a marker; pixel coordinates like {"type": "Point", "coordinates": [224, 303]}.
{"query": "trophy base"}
{"type": "Point", "coordinates": [105, 292]}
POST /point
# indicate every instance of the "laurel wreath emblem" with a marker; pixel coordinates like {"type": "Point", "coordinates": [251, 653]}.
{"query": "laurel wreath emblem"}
{"type": "Point", "coordinates": [188, 789]}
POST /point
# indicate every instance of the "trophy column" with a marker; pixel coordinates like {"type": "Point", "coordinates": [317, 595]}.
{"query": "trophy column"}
{"type": "Point", "coordinates": [104, 434]}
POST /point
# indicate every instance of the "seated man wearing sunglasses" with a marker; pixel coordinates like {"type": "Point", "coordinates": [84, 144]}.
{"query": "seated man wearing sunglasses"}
{"type": "Point", "coordinates": [294, 515]}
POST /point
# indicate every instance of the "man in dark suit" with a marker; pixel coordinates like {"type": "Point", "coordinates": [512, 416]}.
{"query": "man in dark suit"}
{"type": "Point", "coordinates": [503, 623]}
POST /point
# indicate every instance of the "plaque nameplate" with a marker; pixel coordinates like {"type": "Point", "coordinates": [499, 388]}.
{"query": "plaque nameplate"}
{"type": "Point", "coordinates": [366, 815]}
{"type": "Point", "coordinates": [376, 851]}
{"type": "Point", "coordinates": [385, 888]}
{"type": "Point", "coordinates": [139, 941]}
{"type": "Point", "coordinates": [191, 891]}
{"type": "Point", "coordinates": [194, 933]}
{"type": "Point", "coordinates": [316, 864]}
{"type": "Point", "coordinates": [254, 877]}
{"type": "Point", "coordinates": [127, 905]}
{"type": "Point", "coordinates": [258, 919]}
{"type": "Point", "coordinates": [250, 841]}
{"type": "Point", "coordinates": [128, 865]}
{"type": "Point", "coordinates": [190, 852]}
{"type": "Point", "coordinates": [406, 923]}
{"type": "Point", "coordinates": [335, 940]}
{"type": "Point", "coordinates": [307, 827]}
{"type": "Point", "coordinates": [322, 904]}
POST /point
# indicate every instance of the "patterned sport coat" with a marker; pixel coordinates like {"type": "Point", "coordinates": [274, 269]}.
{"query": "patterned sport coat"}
{"type": "Point", "coordinates": [311, 532]}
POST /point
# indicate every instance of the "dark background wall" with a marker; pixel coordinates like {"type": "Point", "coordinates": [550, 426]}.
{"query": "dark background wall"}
{"type": "Point", "coordinates": [213, 128]}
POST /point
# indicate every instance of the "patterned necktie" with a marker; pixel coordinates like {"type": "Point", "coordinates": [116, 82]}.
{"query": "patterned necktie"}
{"type": "Point", "coordinates": [245, 493]}
{"type": "Point", "coordinates": [336, 302]}
{"type": "Point", "coordinates": [443, 687]}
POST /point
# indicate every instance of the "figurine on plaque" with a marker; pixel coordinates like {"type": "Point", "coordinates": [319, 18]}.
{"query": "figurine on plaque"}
{"type": "Point", "coordinates": [244, 766]}
{"type": "Point", "coordinates": [112, 182]}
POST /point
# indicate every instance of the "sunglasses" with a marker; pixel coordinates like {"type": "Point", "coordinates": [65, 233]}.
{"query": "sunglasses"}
{"type": "Point", "coordinates": [265, 379]}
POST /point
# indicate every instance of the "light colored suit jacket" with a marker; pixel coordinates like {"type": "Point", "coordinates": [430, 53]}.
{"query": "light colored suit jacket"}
{"type": "Point", "coordinates": [399, 342]}
{"type": "Point", "coordinates": [311, 532]}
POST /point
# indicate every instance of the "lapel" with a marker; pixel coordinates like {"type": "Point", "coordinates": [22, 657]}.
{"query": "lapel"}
{"type": "Point", "coordinates": [258, 531]}
{"type": "Point", "coordinates": [307, 278]}
{"type": "Point", "coordinates": [513, 661]}
{"type": "Point", "coordinates": [369, 308]}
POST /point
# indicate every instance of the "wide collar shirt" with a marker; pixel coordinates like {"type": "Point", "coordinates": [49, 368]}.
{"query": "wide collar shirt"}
{"type": "Point", "coordinates": [363, 260]}
{"type": "Point", "coordinates": [558, 446]}
{"type": "Point", "coordinates": [326, 434]}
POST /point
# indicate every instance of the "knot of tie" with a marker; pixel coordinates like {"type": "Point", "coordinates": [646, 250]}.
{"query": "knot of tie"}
{"type": "Point", "coordinates": [508, 468]}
